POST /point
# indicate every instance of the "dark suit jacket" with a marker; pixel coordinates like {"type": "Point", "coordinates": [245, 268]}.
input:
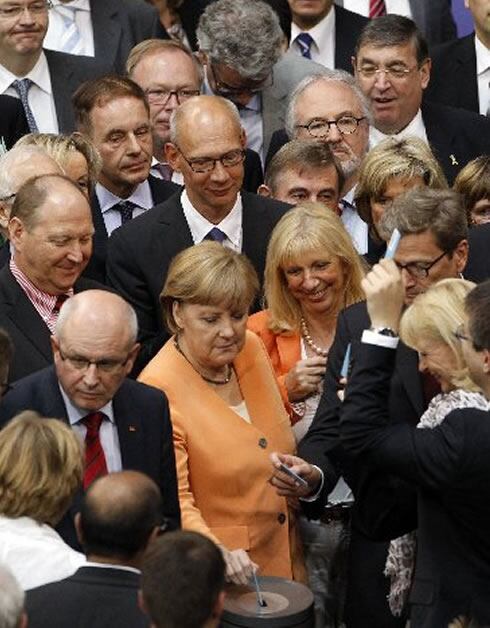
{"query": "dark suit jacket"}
{"type": "Point", "coordinates": [93, 596]}
{"type": "Point", "coordinates": [29, 333]}
{"type": "Point", "coordinates": [67, 73]}
{"type": "Point", "coordinates": [143, 425]}
{"type": "Point", "coordinates": [160, 192]}
{"type": "Point", "coordinates": [478, 266]}
{"type": "Point", "coordinates": [139, 254]}
{"type": "Point", "coordinates": [348, 27]}
{"type": "Point", "coordinates": [453, 79]}
{"type": "Point", "coordinates": [450, 466]}
{"type": "Point", "coordinates": [119, 25]}
{"type": "Point", "coordinates": [13, 123]}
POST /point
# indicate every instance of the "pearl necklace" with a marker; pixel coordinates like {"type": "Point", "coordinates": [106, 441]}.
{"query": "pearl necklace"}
{"type": "Point", "coordinates": [217, 382]}
{"type": "Point", "coordinates": [309, 340]}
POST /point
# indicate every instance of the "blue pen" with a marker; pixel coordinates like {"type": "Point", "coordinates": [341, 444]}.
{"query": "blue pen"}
{"type": "Point", "coordinates": [393, 244]}
{"type": "Point", "coordinates": [344, 371]}
{"type": "Point", "coordinates": [260, 600]}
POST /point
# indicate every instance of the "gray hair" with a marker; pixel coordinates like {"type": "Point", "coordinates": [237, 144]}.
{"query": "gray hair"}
{"type": "Point", "coordinates": [12, 162]}
{"type": "Point", "coordinates": [177, 116]}
{"type": "Point", "coordinates": [72, 305]}
{"type": "Point", "coordinates": [327, 76]}
{"type": "Point", "coordinates": [11, 599]}
{"type": "Point", "coordinates": [245, 36]}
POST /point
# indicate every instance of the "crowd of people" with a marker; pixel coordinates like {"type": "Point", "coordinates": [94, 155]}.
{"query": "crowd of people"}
{"type": "Point", "coordinates": [244, 295]}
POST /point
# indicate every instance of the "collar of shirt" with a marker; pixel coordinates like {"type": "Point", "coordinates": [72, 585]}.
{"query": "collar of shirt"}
{"type": "Point", "coordinates": [39, 75]}
{"type": "Point", "coordinates": [176, 176]}
{"type": "Point", "coordinates": [323, 35]}
{"type": "Point", "coordinates": [140, 197]}
{"type": "Point", "coordinates": [76, 414]}
{"type": "Point", "coordinates": [482, 56]}
{"type": "Point", "coordinates": [254, 104]}
{"type": "Point", "coordinates": [231, 225]}
{"type": "Point", "coordinates": [42, 301]}
{"type": "Point", "coordinates": [111, 566]}
{"type": "Point", "coordinates": [80, 5]}
{"type": "Point", "coordinates": [415, 127]}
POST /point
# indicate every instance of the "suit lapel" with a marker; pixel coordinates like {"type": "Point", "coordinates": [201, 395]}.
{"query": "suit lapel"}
{"type": "Point", "coordinates": [107, 29]}
{"type": "Point", "coordinates": [441, 138]}
{"type": "Point", "coordinates": [465, 70]}
{"type": "Point", "coordinates": [344, 44]}
{"type": "Point", "coordinates": [61, 72]}
{"type": "Point", "coordinates": [419, 13]}
{"type": "Point", "coordinates": [129, 429]}
{"type": "Point", "coordinates": [255, 236]}
{"type": "Point", "coordinates": [172, 216]}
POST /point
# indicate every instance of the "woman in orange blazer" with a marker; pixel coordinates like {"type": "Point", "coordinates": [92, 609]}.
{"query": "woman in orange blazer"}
{"type": "Point", "coordinates": [227, 414]}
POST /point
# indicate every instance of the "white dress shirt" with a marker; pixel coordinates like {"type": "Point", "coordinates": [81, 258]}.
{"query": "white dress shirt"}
{"type": "Point", "coordinates": [112, 217]}
{"type": "Point", "coordinates": [415, 128]}
{"type": "Point", "coordinates": [109, 438]}
{"type": "Point", "coordinates": [323, 34]}
{"type": "Point", "coordinates": [401, 7]}
{"type": "Point", "coordinates": [483, 75]}
{"type": "Point", "coordinates": [355, 225]}
{"type": "Point", "coordinates": [83, 20]}
{"type": "Point", "coordinates": [35, 553]}
{"type": "Point", "coordinates": [40, 97]}
{"type": "Point", "coordinates": [199, 226]}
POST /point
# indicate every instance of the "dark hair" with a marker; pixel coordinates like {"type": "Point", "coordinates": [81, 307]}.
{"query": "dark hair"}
{"type": "Point", "coordinates": [477, 305]}
{"type": "Point", "coordinates": [182, 575]}
{"type": "Point", "coordinates": [99, 92]}
{"type": "Point", "coordinates": [301, 155]}
{"type": "Point", "coordinates": [423, 209]}
{"type": "Point", "coordinates": [6, 349]}
{"type": "Point", "coordinates": [393, 30]}
{"type": "Point", "coordinates": [33, 194]}
{"type": "Point", "coordinates": [120, 527]}
{"type": "Point", "coordinates": [473, 182]}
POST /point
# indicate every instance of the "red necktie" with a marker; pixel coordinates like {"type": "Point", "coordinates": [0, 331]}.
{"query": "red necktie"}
{"type": "Point", "coordinates": [60, 299]}
{"type": "Point", "coordinates": [165, 170]}
{"type": "Point", "coordinates": [95, 464]}
{"type": "Point", "coordinates": [377, 8]}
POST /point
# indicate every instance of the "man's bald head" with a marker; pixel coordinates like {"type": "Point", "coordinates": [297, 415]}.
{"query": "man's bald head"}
{"type": "Point", "coordinates": [119, 513]}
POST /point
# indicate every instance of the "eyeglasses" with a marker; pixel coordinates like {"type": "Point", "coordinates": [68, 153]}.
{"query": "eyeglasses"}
{"type": "Point", "coordinates": [14, 11]}
{"type": "Point", "coordinates": [223, 89]}
{"type": "Point", "coordinates": [417, 270]}
{"type": "Point", "coordinates": [83, 364]}
{"type": "Point", "coordinates": [318, 127]}
{"type": "Point", "coordinates": [396, 72]}
{"type": "Point", "coordinates": [207, 164]}
{"type": "Point", "coordinates": [459, 333]}
{"type": "Point", "coordinates": [162, 96]}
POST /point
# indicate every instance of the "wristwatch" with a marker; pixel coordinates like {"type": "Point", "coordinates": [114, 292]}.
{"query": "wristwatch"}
{"type": "Point", "coordinates": [384, 331]}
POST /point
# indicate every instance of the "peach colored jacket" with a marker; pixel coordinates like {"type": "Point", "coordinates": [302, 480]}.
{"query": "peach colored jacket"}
{"type": "Point", "coordinates": [223, 464]}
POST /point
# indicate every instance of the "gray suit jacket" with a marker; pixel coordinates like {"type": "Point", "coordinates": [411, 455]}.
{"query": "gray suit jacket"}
{"type": "Point", "coordinates": [433, 17]}
{"type": "Point", "coordinates": [290, 70]}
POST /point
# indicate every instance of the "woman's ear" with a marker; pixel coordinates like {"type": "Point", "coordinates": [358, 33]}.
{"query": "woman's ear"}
{"type": "Point", "coordinates": [177, 313]}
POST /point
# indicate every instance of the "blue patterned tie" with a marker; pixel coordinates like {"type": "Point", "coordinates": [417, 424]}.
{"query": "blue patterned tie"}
{"type": "Point", "coordinates": [22, 87]}
{"type": "Point", "coordinates": [216, 235]}
{"type": "Point", "coordinates": [305, 42]}
{"type": "Point", "coordinates": [71, 39]}
{"type": "Point", "coordinates": [125, 208]}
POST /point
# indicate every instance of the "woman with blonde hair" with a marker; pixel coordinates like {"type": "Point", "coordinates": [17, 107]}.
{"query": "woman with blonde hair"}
{"type": "Point", "coordinates": [431, 326]}
{"type": "Point", "coordinates": [75, 154]}
{"type": "Point", "coordinates": [312, 272]}
{"type": "Point", "coordinates": [227, 414]}
{"type": "Point", "coordinates": [41, 468]}
{"type": "Point", "coordinates": [388, 170]}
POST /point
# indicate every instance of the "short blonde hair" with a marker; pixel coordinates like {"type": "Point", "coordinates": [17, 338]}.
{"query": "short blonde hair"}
{"type": "Point", "coordinates": [41, 468]}
{"type": "Point", "coordinates": [395, 158]}
{"type": "Point", "coordinates": [434, 316]}
{"type": "Point", "coordinates": [208, 274]}
{"type": "Point", "coordinates": [61, 147]}
{"type": "Point", "coordinates": [308, 228]}
{"type": "Point", "coordinates": [473, 182]}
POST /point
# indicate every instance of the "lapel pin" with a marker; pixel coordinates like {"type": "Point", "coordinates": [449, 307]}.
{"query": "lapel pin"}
{"type": "Point", "coordinates": [132, 428]}
{"type": "Point", "coordinates": [454, 161]}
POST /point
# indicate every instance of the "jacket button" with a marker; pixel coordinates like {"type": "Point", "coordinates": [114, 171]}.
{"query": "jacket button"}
{"type": "Point", "coordinates": [281, 517]}
{"type": "Point", "coordinates": [263, 443]}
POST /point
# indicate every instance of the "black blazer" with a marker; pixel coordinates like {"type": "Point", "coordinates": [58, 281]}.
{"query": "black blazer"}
{"type": "Point", "coordinates": [93, 596]}
{"type": "Point", "coordinates": [450, 466]}
{"type": "Point", "coordinates": [144, 429]}
{"type": "Point", "coordinates": [348, 27]}
{"type": "Point", "coordinates": [160, 192]}
{"type": "Point", "coordinates": [119, 25]}
{"type": "Point", "coordinates": [29, 333]}
{"type": "Point", "coordinates": [453, 79]}
{"type": "Point", "coordinates": [13, 123]}
{"type": "Point", "coordinates": [478, 266]}
{"type": "Point", "coordinates": [139, 254]}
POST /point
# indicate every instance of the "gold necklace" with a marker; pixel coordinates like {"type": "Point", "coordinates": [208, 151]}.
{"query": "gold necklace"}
{"type": "Point", "coordinates": [217, 382]}
{"type": "Point", "coordinates": [309, 340]}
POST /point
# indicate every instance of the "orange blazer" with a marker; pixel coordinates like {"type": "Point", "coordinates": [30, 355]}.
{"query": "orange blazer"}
{"type": "Point", "coordinates": [284, 349]}
{"type": "Point", "coordinates": [223, 464]}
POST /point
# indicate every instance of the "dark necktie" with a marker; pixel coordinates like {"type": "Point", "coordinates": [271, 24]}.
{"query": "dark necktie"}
{"type": "Point", "coordinates": [216, 235]}
{"type": "Point", "coordinates": [165, 170]}
{"type": "Point", "coordinates": [305, 41]}
{"type": "Point", "coordinates": [95, 463]}
{"type": "Point", "coordinates": [377, 8]}
{"type": "Point", "coordinates": [125, 208]}
{"type": "Point", "coordinates": [22, 87]}
{"type": "Point", "coordinates": [60, 299]}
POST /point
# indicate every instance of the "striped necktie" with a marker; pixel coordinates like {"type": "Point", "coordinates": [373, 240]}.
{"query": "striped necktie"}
{"type": "Point", "coordinates": [71, 39]}
{"type": "Point", "coordinates": [95, 462]}
{"type": "Point", "coordinates": [377, 8]}
{"type": "Point", "coordinates": [22, 87]}
{"type": "Point", "coordinates": [305, 41]}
